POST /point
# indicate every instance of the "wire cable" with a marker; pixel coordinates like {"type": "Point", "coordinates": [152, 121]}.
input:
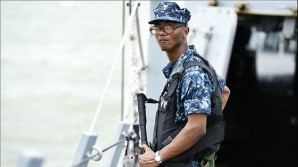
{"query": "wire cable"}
{"type": "Point", "coordinates": [118, 55]}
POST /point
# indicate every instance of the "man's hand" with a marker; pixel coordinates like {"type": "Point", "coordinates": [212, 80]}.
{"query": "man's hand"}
{"type": "Point", "coordinates": [147, 159]}
{"type": "Point", "coordinates": [225, 96]}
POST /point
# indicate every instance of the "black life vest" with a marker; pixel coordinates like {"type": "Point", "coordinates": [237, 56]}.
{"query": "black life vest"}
{"type": "Point", "coordinates": [166, 129]}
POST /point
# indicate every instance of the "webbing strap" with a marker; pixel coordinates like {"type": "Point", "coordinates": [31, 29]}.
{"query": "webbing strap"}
{"type": "Point", "coordinates": [204, 66]}
{"type": "Point", "coordinates": [173, 85]}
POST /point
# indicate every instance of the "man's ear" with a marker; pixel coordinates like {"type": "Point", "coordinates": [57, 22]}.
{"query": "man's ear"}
{"type": "Point", "coordinates": [186, 31]}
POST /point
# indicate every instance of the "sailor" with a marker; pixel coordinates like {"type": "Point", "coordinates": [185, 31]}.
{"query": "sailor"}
{"type": "Point", "coordinates": [187, 101]}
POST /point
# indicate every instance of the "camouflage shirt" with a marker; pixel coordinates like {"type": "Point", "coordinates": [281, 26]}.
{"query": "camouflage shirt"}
{"type": "Point", "coordinates": [195, 87]}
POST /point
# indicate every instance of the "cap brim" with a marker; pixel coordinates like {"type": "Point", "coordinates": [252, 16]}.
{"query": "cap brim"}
{"type": "Point", "coordinates": [165, 19]}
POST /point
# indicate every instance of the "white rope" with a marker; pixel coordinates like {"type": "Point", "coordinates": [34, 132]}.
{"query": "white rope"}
{"type": "Point", "coordinates": [119, 52]}
{"type": "Point", "coordinates": [136, 85]}
{"type": "Point", "coordinates": [130, 96]}
{"type": "Point", "coordinates": [134, 59]}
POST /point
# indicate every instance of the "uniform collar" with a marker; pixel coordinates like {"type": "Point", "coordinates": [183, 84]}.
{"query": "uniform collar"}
{"type": "Point", "coordinates": [167, 70]}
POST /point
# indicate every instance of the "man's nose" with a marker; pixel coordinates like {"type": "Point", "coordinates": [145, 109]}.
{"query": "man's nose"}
{"type": "Point", "coordinates": [162, 32]}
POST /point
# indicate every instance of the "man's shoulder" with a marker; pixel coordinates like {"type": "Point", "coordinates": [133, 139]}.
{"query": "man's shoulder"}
{"type": "Point", "coordinates": [195, 73]}
{"type": "Point", "coordinates": [195, 69]}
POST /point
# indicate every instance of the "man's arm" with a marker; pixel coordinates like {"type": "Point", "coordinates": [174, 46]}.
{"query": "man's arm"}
{"type": "Point", "coordinates": [225, 96]}
{"type": "Point", "coordinates": [188, 136]}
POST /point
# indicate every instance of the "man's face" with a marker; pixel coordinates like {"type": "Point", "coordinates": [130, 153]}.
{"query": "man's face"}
{"type": "Point", "coordinates": [172, 39]}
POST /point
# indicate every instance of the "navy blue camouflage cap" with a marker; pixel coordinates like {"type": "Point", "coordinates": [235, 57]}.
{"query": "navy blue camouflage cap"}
{"type": "Point", "coordinates": [170, 11]}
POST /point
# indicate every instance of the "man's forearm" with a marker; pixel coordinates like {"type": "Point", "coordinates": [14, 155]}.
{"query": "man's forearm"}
{"type": "Point", "coordinates": [187, 137]}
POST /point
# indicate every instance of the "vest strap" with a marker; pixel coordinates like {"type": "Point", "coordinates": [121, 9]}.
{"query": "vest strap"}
{"type": "Point", "coordinates": [205, 67]}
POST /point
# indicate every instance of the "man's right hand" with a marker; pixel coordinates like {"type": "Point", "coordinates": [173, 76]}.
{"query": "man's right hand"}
{"type": "Point", "coordinates": [148, 158]}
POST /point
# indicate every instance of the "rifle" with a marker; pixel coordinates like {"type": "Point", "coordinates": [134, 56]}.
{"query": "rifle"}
{"type": "Point", "coordinates": [142, 99]}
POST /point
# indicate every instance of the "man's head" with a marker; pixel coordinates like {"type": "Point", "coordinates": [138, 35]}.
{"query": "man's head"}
{"type": "Point", "coordinates": [170, 25]}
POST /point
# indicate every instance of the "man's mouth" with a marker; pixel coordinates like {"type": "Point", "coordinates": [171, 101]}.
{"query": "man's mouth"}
{"type": "Point", "coordinates": [163, 41]}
